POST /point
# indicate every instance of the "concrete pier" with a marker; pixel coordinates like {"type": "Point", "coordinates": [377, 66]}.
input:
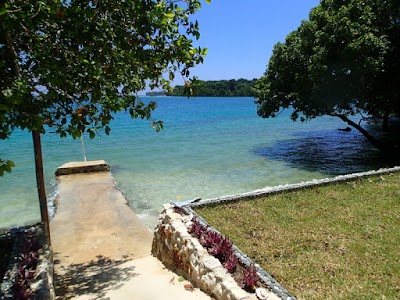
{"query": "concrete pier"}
{"type": "Point", "coordinates": [83, 167]}
{"type": "Point", "coordinates": [102, 249]}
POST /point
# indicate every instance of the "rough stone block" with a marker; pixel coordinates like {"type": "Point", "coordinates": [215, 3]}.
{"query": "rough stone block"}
{"type": "Point", "coordinates": [211, 263]}
{"type": "Point", "coordinates": [221, 274]}
{"type": "Point", "coordinates": [217, 291]}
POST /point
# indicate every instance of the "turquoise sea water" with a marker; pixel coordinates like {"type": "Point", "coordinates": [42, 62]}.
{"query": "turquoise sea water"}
{"type": "Point", "coordinates": [210, 147]}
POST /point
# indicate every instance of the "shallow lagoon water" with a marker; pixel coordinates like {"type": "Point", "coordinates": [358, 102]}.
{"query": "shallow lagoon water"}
{"type": "Point", "coordinates": [210, 147]}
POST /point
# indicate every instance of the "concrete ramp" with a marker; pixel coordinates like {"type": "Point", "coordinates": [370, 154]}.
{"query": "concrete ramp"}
{"type": "Point", "coordinates": [101, 248]}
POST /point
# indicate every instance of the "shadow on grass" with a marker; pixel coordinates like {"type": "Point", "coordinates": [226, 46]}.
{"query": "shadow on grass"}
{"type": "Point", "coordinates": [93, 278]}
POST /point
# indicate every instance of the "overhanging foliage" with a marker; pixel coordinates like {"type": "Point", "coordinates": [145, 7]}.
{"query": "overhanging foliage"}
{"type": "Point", "coordinates": [70, 65]}
{"type": "Point", "coordinates": [343, 61]}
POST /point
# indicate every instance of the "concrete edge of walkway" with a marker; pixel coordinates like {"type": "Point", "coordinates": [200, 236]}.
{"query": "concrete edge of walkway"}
{"type": "Point", "coordinates": [82, 167]}
{"type": "Point", "coordinates": [111, 258]}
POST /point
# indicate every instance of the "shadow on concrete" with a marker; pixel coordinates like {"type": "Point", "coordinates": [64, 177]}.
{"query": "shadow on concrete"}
{"type": "Point", "coordinates": [93, 278]}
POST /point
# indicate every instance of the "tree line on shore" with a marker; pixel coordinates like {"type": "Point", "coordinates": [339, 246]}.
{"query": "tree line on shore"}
{"type": "Point", "coordinates": [218, 88]}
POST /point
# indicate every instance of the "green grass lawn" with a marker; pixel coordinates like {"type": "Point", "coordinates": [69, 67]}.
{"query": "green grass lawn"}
{"type": "Point", "coordinates": [339, 241]}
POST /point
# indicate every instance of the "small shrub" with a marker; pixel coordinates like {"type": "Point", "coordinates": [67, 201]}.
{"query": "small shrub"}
{"type": "Point", "coordinates": [210, 238]}
{"type": "Point", "coordinates": [222, 248]}
{"type": "Point", "coordinates": [27, 263]}
{"type": "Point", "coordinates": [29, 260]}
{"type": "Point", "coordinates": [231, 263]}
{"type": "Point", "coordinates": [250, 277]}
{"type": "Point", "coordinates": [197, 229]}
{"type": "Point", "coordinates": [226, 248]}
{"type": "Point", "coordinates": [22, 291]}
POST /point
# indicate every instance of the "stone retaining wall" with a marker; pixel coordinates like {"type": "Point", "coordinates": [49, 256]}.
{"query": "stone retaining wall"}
{"type": "Point", "coordinates": [277, 289]}
{"type": "Point", "coordinates": [182, 253]}
{"type": "Point", "coordinates": [288, 187]}
{"type": "Point", "coordinates": [42, 285]}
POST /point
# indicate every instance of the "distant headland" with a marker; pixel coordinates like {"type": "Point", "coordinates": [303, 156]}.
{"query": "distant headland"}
{"type": "Point", "coordinates": [214, 88]}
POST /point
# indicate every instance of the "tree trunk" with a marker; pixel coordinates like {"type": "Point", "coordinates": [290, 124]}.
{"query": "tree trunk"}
{"type": "Point", "coordinates": [37, 147]}
{"type": "Point", "coordinates": [374, 141]}
{"type": "Point", "coordinates": [385, 123]}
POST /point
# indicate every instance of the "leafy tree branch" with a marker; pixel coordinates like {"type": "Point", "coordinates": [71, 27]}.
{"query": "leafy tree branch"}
{"type": "Point", "coordinates": [344, 60]}
{"type": "Point", "coordinates": [71, 65]}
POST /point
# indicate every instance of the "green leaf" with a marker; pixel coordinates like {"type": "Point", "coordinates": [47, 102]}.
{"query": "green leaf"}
{"type": "Point", "coordinates": [208, 1]}
{"type": "Point", "coordinates": [7, 92]}
{"type": "Point", "coordinates": [2, 12]}
{"type": "Point", "coordinates": [7, 168]}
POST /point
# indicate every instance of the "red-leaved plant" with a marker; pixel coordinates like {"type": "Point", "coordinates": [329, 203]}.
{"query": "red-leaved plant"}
{"type": "Point", "coordinates": [27, 263]}
{"type": "Point", "coordinates": [231, 263]}
{"type": "Point", "coordinates": [216, 244]}
{"type": "Point", "coordinates": [221, 248]}
{"type": "Point", "coordinates": [210, 238]}
{"type": "Point", "coordinates": [250, 277]}
{"type": "Point", "coordinates": [197, 229]}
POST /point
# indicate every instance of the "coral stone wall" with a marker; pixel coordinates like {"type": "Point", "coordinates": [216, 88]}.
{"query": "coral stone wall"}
{"type": "Point", "coordinates": [180, 252]}
{"type": "Point", "coordinates": [41, 286]}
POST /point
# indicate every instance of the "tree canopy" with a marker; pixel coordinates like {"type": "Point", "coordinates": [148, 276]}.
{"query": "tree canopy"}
{"type": "Point", "coordinates": [219, 88]}
{"type": "Point", "coordinates": [156, 93]}
{"type": "Point", "coordinates": [70, 65]}
{"type": "Point", "coordinates": [343, 61]}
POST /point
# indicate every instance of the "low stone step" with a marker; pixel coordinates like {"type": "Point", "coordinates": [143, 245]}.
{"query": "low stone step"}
{"type": "Point", "coordinates": [83, 167]}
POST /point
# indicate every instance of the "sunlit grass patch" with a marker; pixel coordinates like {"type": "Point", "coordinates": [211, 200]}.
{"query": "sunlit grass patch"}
{"type": "Point", "coordinates": [340, 241]}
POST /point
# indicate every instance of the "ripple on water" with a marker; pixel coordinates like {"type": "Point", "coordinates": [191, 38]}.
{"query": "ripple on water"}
{"type": "Point", "coordinates": [210, 147]}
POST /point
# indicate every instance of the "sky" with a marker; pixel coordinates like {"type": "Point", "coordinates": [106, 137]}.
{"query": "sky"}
{"type": "Point", "coordinates": [240, 35]}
